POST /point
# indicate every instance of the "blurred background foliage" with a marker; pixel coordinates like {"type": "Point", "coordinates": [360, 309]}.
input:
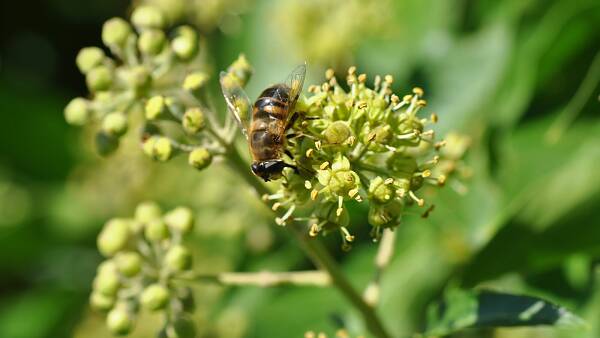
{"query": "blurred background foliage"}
{"type": "Point", "coordinates": [518, 77]}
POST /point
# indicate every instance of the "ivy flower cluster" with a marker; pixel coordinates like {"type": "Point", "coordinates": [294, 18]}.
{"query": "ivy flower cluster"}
{"type": "Point", "coordinates": [361, 144]}
{"type": "Point", "coordinates": [152, 69]}
{"type": "Point", "coordinates": [145, 256]}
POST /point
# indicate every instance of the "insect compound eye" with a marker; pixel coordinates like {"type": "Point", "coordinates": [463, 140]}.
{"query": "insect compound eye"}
{"type": "Point", "coordinates": [256, 168]}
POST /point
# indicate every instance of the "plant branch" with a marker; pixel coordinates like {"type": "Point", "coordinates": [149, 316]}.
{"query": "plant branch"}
{"type": "Point", "coordinates": [315, 251]}
{"type": "Point", "coordinates": [385, 252]}
{"type": "Point", "coordinates": [266, 278]}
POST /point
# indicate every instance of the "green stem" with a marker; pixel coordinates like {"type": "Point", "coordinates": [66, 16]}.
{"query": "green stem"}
{"type": "Point", "coordinates": [315, 251]}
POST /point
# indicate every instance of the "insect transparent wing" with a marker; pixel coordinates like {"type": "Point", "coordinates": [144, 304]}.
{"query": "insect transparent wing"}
{"type": "Point", "coordinates": [295, 82]}
{"type": "Point", "coordinates": [238, 102]}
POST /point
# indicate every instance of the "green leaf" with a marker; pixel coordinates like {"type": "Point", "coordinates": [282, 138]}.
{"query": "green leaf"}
{"type": "Point", "coordinates": [466, 309]}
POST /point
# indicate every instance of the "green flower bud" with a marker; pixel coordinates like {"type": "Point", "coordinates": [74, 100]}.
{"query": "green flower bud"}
{"type": "Point", "coordinates": [337, 132]}
{"type": "Point", "coordinates": [200, 158]}
{"type": "Point", "coordinates": [155, 107]}
{"type": "Point", "coordinates": [195, 81]}
{"type": "Point", "coordinates": [340, 179]}
{"type": "Point", "coordinates": [159, 148]}
{"type": "Point", "coordinates": [380, 192]}
{"type": "Point", "coordinates": [113, 237]}
{"type": "Point", "coordinates": [115, 124]}
{"type": "Point", "coordinates": [147, 17]}
{"type": "Point", "coordinates": [147, 212]}
{"type": "Point", "coordinates": [99, 78]}
{"type": "Point", "coordinates": [152, 41]}
{"type": "Point", "coordinates": [106, 144]}
{"type": "Point", "coordinates": [107, 282]}
{"type": "Point", "coordinates": [241, 70]}
{"type": "Point", "coordinates": [77, 111]}
{"type": "Point", "coordinates": [138, 78]}
{"type": "Point", "coordinates": [181, 219]}
{"type": "Point", "coordinates": [178, 258]}
{"type": "Point", "coordinates": [119, 321]}
{"type": "Point", "coordinates": [115, 32]}
{"type": "Point", "coordinates": [156, 230]}
{"type": "Point", "coordinates": [185, 43]}
{"type": "Point", "coordinates": [193, 120]}
{"type": "Point", "coordinates": [385, 215]}
{"type": "Point", "coordinates": [101, 302]}
{"type": "Point", "coordinates": [88, 58]}
{"type": "Point", "coordinates": [154, 297]}
{"type": "Point", "coordinates": [379, 135]}
{"type": "Point", "coordinates": [129, 263]}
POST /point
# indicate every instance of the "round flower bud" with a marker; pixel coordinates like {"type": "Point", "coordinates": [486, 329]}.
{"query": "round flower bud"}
{"type": "Point", "coordinates": [77, 111]}
{"type": "Point", "coordinates": [107, 282]}
{"type": "Point", "coordinates": [129, 263]}
{"type": "Point", "coordinates": [119, 321]}
{"type": "Point", "coordinates": [115, 124]}
{"type": "Point", "coordinates": [147, 211]}
{"type": "Point", "coordinates": [154, 297]}
{"type": "Point", "coordinates": [337, 132]}
{"type": "Point", "coordinates": [106, 144]}
{"type": "Point", "coordinates": [385, 215]}
{"type": "Point", "coordinates": [152, 41]}
{"type": "Point", "coordinates": [138, 78]}
{"type": "Point", "coordinates": [195, 81]}
{"type": "Point", "coordinates": [185, 43]}
{"type": "Point", "coordinates": [147, 17]}
{"type": "Point", "coordinates": [99, 78]}
{"type": "Point", "coordinates": [193, 120]}
{"type": "Point", "coordinates": [178, 258]}
{"type": "Point", "coordinates": [88, 58]}
{"type": "Point", "coordinates": [241, 70]}
{"type": "Point", "coordinates": [200, 158]}
{"type": "Point", "coordinates": [115, 32]}
{"type": "Point", "coordinates": [379, 191]}
{"type": "Point", "coordinates": [342, 182]}
{"type": "Point", "coordinates": [156, 230]}
{"type": "Point", "coordinates": [180, 219]}
{"type": "Point", "coordinates": [113, 237]}
{"type": "Point", "coordinates": [155, 107]}
{"type": "Point", "coordinates": [159, 148]}
{"type": "Point", "coordinates": [101, 302]}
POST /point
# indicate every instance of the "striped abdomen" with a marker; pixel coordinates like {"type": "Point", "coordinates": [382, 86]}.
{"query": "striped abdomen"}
{"type": "Point", "coordinates": [269, 117]}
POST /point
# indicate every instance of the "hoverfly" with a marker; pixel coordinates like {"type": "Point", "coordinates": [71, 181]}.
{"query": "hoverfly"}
{"type": "Point", "coordinates": [265, 123]}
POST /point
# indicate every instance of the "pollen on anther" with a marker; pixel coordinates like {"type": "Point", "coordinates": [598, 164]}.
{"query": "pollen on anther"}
{"type": "Point", "coordinates": [388, 78]}
{"type": "Point", "coordinates": [276, 206]}
{"type": "Point", "coordinates": [418, 91]}
{"type": "Point", "coordinates": [353, 192]}
{"type": "Point", "coordinates": [421, 103]}
{"type": "Point", "coordinates": [407, 98]}
{"type": "Point", "coordinates": [388, 181]}
{"type": "Point", "coordinates": [434, 118]}
{"type": "Point", "coordinates": [426, 173]}
{"type": "Point", "coordinates": [310, 152]}
{"type": "Point", "coordinates": [307, 185]}
{"type": "Point", "coordinates": [362, 78]}
{"type": "Point", "coordinates": [324, 165]}
{"type": "Point", "coordinates": [420, 202]}
{"type": "Point", "coordinates": [352, 70]}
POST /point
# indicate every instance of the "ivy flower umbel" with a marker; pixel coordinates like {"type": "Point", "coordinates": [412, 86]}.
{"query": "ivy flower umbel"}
{"type": "Point", "coordinates": [154, 69]}
{"type": "Point", "coordinates": [362, 144]}
{"type": "Point", "coordinates": [145, 256]}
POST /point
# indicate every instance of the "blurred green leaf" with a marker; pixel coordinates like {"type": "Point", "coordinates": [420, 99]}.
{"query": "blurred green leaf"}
{"type": "Point", "coordinates": [463, 309]}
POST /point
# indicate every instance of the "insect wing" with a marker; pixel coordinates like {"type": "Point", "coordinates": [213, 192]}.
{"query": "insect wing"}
{"type": "Point", "coordinates": [238, 102]}
{"type": "Point", "coordinates": [295, 82]}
